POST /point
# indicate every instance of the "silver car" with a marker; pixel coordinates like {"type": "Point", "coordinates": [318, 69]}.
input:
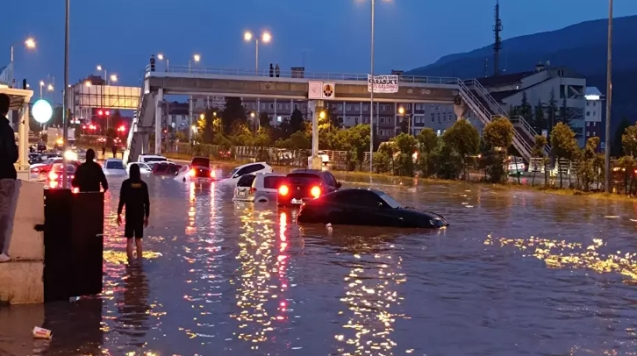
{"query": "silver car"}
{"type": "Point", "coordinates": [259, 187]}
{"type": "Point", "coordinates": [114, 167]}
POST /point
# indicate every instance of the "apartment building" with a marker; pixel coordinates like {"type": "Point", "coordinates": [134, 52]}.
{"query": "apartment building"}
{"type": "Point", "coordinates": [594, 112]}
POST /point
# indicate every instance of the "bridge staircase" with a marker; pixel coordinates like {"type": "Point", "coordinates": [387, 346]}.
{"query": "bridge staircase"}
{"type": "Point", "coordinates": [141, 127]}
{"type": "Point", "coordinates": [487, 109]}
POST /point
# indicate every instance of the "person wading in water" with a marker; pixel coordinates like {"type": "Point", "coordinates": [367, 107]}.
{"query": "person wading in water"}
{"type": "Point", "coordinates": [134, 196]}
{"type": "Point", "coordinates": [90, 175]}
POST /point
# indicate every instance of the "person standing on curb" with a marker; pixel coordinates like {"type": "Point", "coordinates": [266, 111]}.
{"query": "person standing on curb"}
{"type": "Point", "coordinates": [8, 174]}
{"type": "Point", "coordinates": [134, 196]}
{"type": "Point", "coordinates": [89, 175]}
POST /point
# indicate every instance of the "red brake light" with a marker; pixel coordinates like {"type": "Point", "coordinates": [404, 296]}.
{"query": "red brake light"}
{"type": "Point", "coordinates": [252, 190]}
{"type": "Point", "coordinates": [284, 190]}
{"type": "Point", "coordinates": [193, 172]}
{"type": "Point", "coordinates": [316, 192]}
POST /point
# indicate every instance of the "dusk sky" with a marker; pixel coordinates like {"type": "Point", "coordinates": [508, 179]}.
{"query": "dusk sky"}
{"type": "Point", "coordinates": [334, 34]}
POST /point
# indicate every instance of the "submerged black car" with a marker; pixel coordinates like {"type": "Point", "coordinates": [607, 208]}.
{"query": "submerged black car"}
{"type": "Point", "coordinates": [366, 207]}
{"type": "Point", "coordinates": [200, 168]}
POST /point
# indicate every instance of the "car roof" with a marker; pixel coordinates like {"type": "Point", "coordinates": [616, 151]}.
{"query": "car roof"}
{"type": "Point", "coordinates": [249, 164]}
{"type": "Point", "coordinates": [113, 160]}
{"type": "Point", "coordinates": [307, 171]}
{"type": "Point", "coordinates": [270, 174]}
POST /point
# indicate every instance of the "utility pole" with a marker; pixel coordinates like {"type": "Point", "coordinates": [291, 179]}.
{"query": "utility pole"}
{"type": "Point", "coordinates": [497, 44]}
{"type": "Point", "coordinates": [609, 94]}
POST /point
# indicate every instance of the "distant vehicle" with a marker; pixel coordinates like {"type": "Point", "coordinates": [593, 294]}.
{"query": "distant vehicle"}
{"type": "Point", "coordinates": [166, 169]}
{"type": "Point", "coordinates": [366, 207]}
{"type": "Point", "coordinates": [151, 158]}
{"type": "Point", "coordinates": [250, 168]}
{"type": "Point", "coordinates": [143, 168]}
{"type": "Point", "coordinates": [305, 184]}
{"type": "Point", "coordinates": [198, 170]}
{"type": "Point", "coordinates": [325, 160]}
{"type": "Point", "coordinates": [515, 165]}
{"type": "Point", "coordinates": [54, 177]}
{"type": "Point", "coordinates": [114, 167]}
{"type": "Point", "coordinates": [260, 187]}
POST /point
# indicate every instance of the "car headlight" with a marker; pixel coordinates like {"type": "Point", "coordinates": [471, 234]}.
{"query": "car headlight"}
{"type": "Point", "coordinates": [70, 156]}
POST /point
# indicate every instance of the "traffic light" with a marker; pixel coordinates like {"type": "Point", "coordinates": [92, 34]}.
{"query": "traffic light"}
{"type": "Point", "coordinates": [101, 112]}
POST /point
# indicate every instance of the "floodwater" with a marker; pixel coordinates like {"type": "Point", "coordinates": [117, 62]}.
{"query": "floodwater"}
{"type": "Point", "coordinates": [516, 273]}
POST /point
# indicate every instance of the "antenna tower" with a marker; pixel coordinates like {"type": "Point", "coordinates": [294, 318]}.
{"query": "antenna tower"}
{"type": "Point", "coordinates": [497, 44]}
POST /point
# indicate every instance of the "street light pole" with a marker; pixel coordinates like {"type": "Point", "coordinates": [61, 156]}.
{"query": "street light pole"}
{"type": "Point", "coordinates": [371, 97]}
{"type": "Point", "coordinates": [256, 59]}
{"type": "Point", "coordinates": [65, 119]}
{"type": "Point", "coordinates": [609, 93]}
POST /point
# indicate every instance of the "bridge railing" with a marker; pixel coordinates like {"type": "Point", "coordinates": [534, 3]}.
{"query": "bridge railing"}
{"type": "Point", "coordinates": [197, 70]}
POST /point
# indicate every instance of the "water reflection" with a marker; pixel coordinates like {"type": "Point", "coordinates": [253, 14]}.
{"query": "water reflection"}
{"type": "Point", "coordinates": [133, 306]}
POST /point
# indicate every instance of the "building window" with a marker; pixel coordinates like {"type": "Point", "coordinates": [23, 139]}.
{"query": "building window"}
{"type": "Point", "coordinates": [271, 106]}
{"type": "Point", "coordinates": [340, 107]}
{"type": "Point", "coordinates": [594, 123]}
{"type": "Point", "coordinates": [593, 113]}
{"type": "Point", "coordinates": [366, 107]}
{"type": "Point", "coordinates": [433, 116]}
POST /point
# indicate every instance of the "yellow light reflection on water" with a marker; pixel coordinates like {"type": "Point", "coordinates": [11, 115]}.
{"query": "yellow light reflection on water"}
{"type": "Point", "coordinates": [563, 254]}
{"type": "Point", "coordinates": [370, 295]}
{"type": "Point", "coordinates": [261, 304]}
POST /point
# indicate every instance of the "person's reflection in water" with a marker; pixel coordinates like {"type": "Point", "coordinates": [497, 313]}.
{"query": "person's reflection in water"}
{"type": "Point", "coordinates": [133, 307]}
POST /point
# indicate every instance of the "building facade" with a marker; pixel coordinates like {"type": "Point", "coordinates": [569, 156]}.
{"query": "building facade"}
{"type": "Point", "coordinates": [594, 113]}
{"type": "Point", "coordinates": [566, 87]}
{"type": "Point", "coordinates": [388, 117]}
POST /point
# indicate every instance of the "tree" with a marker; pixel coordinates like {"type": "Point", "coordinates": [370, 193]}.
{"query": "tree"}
{"type": "Point", "coordinates": [551, 112]}
{"type": "Point", "coordinates": [206, 125]}
{"type": "Point", "coordinates": [233, 113]}
{"type": "Point", "coordinates": [264, 120]}
{"type": "Point", "coordinates": [563, 144]}
{"type": "Point", "coordinates": [428, 142]}
{"type": "Point", "coordinates": [525, 110]}
{"type": "Point", "coordinates": [406, 144]}
{"type": "Point", "coordinates": [538, 152]}
{"type": "Point", "coordinates": [629, 141]}
{"type": "Point", "coordinates": [404, 125]}
{"type": "Point", "coordinates": [463, 139]}
{"type": "Point", "coordinates": [538, 120]}
{"type": "Point", "coordinates": [498, 134]}
{"type": "Point", "coordinates": [297, 123]}
{"type": "Point", "coordinates": [616, 149]}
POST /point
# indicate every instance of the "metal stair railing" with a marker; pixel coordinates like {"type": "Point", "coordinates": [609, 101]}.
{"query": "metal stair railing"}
{"type": "Point", "coordinates": [497, 108]}
{"type": "Point", "coordinates": [485, 114]}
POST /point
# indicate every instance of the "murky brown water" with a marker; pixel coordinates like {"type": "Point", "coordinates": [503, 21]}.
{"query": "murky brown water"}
{"type": "Point", "coordinates": [517, 273]}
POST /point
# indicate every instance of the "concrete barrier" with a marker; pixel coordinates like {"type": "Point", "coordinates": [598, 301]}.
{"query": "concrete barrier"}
{"type": "Point", "coordinates": [21, 278]}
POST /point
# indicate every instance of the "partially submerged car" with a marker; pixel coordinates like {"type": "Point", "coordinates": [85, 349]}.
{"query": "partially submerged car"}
{"type": "Point", "coordinates": [366, 207]}
{"type": "Point", "coordinates": [305, 184]}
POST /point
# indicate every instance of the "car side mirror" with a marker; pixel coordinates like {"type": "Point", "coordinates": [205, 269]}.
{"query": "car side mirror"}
{"type": "Point", "coordinates": [338, 184]}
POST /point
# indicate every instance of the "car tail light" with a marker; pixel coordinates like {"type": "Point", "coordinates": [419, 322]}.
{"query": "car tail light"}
{"type": "Point", "coordinates": [252, 190]}
{"type": "Point", "coordinates": [53, 176]}
{"type": "Point", "coordinates": [193, 172]}
{"type": "Point", "coordinates": [316, 192]}
{"type": "Point", "coordinates": [284, 190]}
{"type": "Point", "coordinates": [75, 190]}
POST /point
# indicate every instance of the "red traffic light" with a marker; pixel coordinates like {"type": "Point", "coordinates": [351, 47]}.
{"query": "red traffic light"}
{"type": "Point", "coordinates": [100, 112]}
{"type": "Point", "coordinates": [107, 113]}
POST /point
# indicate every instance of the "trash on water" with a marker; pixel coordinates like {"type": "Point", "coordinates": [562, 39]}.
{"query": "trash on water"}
{"type": "Point", "coordinates": [612, 216]}
{"type": "Point", "coordinates": [468, 206]}
{"type": "Point", "coordinates": [41, 333]}
{"type": "Point", "coordinates": [329, 228]}
{"type": "Point", "coordinates": [465, 203]}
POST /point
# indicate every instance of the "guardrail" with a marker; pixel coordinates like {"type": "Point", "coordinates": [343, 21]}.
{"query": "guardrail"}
{"type": "Point", "coordinates": [196, 70]}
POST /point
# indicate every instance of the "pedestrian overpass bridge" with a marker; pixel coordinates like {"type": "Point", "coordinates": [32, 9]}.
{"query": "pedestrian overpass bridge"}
{"type": "Point", "coordinates": [463, 94]}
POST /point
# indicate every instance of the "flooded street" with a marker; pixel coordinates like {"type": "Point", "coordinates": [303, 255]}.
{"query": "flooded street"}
{"type": "Point", "coordinates": [516, 273]}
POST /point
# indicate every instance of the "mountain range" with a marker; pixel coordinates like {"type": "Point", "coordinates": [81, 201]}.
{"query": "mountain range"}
{"type": "Point", "coordinates": [581, 47]}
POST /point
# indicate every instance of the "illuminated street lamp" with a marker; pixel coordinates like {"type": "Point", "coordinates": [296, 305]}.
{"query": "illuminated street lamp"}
{"type": "Point", "coordinates": [29, 43]}
{"type": "Point", "coordinates": [161, 57]}
{"type": "Point", "coordinates": [266, 37]}
{"type": "Point", "coordinates": [88, 83]}
{"type": "Point", "coordinates": [113, 78]}
{"type": "Point", "coordinates": [401, 110]}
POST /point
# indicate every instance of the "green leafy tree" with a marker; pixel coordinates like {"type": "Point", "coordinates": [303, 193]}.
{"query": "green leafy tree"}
{"type": "Point", "coordinates": [586, 170]}
{"type": "Point", "coordinates": [428, 142]}
{"type": "Point", "coordinates": [264, 120]}
{"type": "Point", "coordinates": [498, 136]}
{"type": "Point", "coordinates": [358, 137]}
{"type": "Point", "coordinates": [404, 125]}
{"type": "Point", "coordinates": [616, 149]}
{"type": "Point", "coordinates": [629, 141]}
{"type": "Point", "coordinates": [297, 123]}
{"type": "Point", "coordinates": [406, 145]}
{"type": "Point", "coordinates": [461, 140]}
{"type": "Point", "coordinates": [539, 123]}
{"type": "Point", "coordinates": [524, 109]}
{"type": "Point", "coordinates": [233, 113]}
{"type": "Point", "coordinates": [551, 112]}
{"type": "Point", "coordinates": [538, 153]}
{"type": "Point", "coordinates": [563, 144]}
{"type": "Point", "coordinates": [567, 114]}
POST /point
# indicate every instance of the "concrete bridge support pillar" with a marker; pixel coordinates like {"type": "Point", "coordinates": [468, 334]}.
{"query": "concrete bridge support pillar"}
{"type": "Point", "coordinates": [314, 107]}
{"type": "Point", "coordinates": [158, 129]}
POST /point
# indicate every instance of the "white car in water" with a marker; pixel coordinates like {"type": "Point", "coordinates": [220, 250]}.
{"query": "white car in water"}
{"type": "Point", "coordinates": [144, 169]}
{"type": "Point", "coordinates": [114, 167]}
{"type": "Point", "coordinates": [250, 168]}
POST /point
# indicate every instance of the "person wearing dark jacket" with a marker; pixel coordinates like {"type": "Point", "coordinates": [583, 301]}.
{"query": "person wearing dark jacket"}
{"type": "Point", "coordinates": [8, 174]}
{"type": "Point", "coordinates": [89, 175]}
{"type": "Point", "coordinates": [134, 196]}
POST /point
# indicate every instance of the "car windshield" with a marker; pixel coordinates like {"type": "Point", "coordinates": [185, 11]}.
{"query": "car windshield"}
{"type": "Point", "coordinates": [390, 201]}
{"type": "Point", "coordinates": [114, 165]}
{"type": "Point", "coordinates": [234, 171]}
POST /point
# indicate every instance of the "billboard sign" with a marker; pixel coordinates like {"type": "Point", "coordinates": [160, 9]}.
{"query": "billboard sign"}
{"type": "Point", "coordinates": [383, 83]}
